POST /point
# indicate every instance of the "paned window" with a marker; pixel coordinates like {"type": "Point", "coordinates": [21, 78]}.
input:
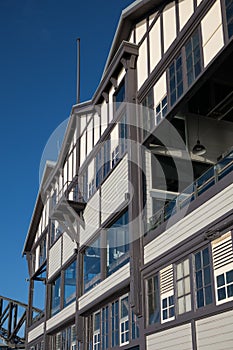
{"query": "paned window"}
{"type": "Point", "coordinates": [104, 328]}
{"type": "Point", "coordinates": [183, 287]}
{"type": "Point", "coordinates": [115, 156]}
{"type": "Point", "coordinates": [229, 15]}
{"type": "Point", "coordinates": [161, 109]}
{"type": "Point", "coordinates": [225, 285]}
{"type": "Point", "coordinates": [175, 80]}
{"type": "Point", "coordinates": [193, 58]}
{"type": "Point", "coordinates": [96, 331]}
{"type": "Point", "coordinates": [203, 281]}
{"type": "Point", "coordinates": [115, 323]}
{"type": "Point", "coordinates": [70, 284]}
{"type": "Point", "coordinates": [124, 321]}
{"type": "Point", "coordinates": [56, 296]}
{"type": "Point", "coordinates": [168, 309]}
{"type": "Point", "coordinates": [118, 244]}
{"type": "Point", "coordinates": [153, 298]}
{"type": "Point", "coordinates": [92, 265]}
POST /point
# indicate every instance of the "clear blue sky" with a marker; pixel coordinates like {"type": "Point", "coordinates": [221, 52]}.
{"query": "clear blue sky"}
{"type": "Point", "coordinates": [37, 91]}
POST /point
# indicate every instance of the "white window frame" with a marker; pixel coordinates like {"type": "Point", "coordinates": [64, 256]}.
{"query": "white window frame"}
{"type": "Point", "coordinates": [122, 321]}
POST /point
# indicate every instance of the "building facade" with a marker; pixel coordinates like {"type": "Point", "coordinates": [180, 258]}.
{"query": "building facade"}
{"type": "Point", "coordinates": [130, 242]}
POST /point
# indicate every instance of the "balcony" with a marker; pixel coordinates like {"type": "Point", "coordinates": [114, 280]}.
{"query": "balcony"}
{"type": "Point", "coordinates": [196, 189]}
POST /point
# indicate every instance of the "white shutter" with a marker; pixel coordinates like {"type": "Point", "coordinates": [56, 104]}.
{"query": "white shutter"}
{"type": "Point", "coordinates": [222, 252]}
{"type": "Point", "coordinates": [167, 293]}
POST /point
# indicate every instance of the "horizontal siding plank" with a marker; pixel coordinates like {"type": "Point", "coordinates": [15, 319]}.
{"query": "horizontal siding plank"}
{"type": "Point", "coordinates": [114, 188]}
{"type": "Point", "coordinates": [36, 332]}
{"type": "Point", "coordinates": [215, 332]}
{"type": "Point", "coordinates": [174, 338]}
{"type": "Point", "coordinates": [121, 275]}
{"type": "Point", "coordinates": [55, 256]}
{"type": "Point", "coordinates": [68, 248]}
{"type": "Point", "coordinates": [214, 208]}
{"type": "Point", "coordinates": [61, 316]}
{"type": "Point", "coordinates": [91, 218]}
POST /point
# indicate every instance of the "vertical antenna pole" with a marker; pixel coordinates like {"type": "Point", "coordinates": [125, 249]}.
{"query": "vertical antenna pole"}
{"type": "Point", "coordinates": [78, 71]}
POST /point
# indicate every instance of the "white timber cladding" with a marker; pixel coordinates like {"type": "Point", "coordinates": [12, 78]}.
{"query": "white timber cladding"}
{"type": "Point", "coordinates": [208, 212]}
{"type": "Point", "coordinates": [169, 25]}
{"type": "Point", "coordinates": [186, 10]}
{"type": "Point", "coordinates": [142, 66]}
{"type": "Point", "coordinates": [36, 332]}
{"type": "Point", "coordinates": [111, 103]}
{"type": "Point", "coordinates": [152, 17]}
{"type": "Point", "coordinates": [83, 123]}
{"type": "Point", "coordinates": [160, 89]}
{"type": "Point", "coordinates": [114, 189]}
{"type": "Point", "coordinates": [90, 137]}
{"type": "Point", "coordinates": [65, 175]}
{"type": "Point", "coordinates": [215, 332]}
{"type": "Point", "coordinates": [112, 281]}
{"type": "Point", "coordinates": [91, 218]}
{"type": "Point", "coordinates": [114, 137]}
{"type": "Point", "coordinates": [61, 316]}
{"type": "Point", "coordinates": [155, 44]}
{"type": "Point", "coordinates": [177, 338]}
{"type": "Point", "coordinates": [212, 32]}
{"type": "Point", "coordinates": [104, 115]}
{"type": "Point", "coordinates": [140, 30]}
{"type": "Point", "coordinates": [68, 248]}
{"type": "Point", "coordinates": [37, 258]}
{"type": "Point", "coordinates": [96, 128]}
{"type": "Point", "coordinates": [82, 148]}
{"type": "Point", "coordinates": [55, 257]}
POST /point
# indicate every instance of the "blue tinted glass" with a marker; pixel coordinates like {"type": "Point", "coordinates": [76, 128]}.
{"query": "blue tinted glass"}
{"type": "Point", "coordinates": [199, 282]}
{"type": "Point", "coordinates": [205, 255]}
{"type": "Point", "coordinates": [220, 280]}
{"type": "Point", "coordinates": [171, 300]}
{"type": "Point", "coordinates": [171, 312]}
{"type": "Point", "coordinates": [207, 278]}
{"type": "Point", "coordinates": [208, 295]}
{"type": "Point", "coordinates": [230, 290]}
{"type": "Point", "coordinates": [164, 314]}
{"type": "Point", "coordinates": [198, 261]}
{"type": "Point", "coordinates": [200, 298]}
{"type": "Point", "coordinates": [229, 276]}
{"type": "Point", "coordinates": [164, 303]}
{"type": "Point", "coordinates": [120, 95]}
{"type": "Point", "coordinates": [221, 294]}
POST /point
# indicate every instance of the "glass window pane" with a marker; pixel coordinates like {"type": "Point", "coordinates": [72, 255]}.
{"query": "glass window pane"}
{"type": "Point", "coordinates": [187, 285]}
{"type": "Point", "coordinates": [92, 265]}
{"type": "Point", "coordinates": [200, 298]}
{"type": "Point", "coordinates": [229, 276]}
{"type": "Point", "coordinates": [220, 280]}
{"type": "Point", "coordinates": [188, 303]}
{"type": "Point", "coordinates": [180, 288]}
{"type": "Point", "coordinates": [179, 271]}
{"type": "Point", "coordinates": [230, 290]}
{"type": "Point", "coordinates": [221, 293]}
{"type": "Point", "coordinates": [70, 284]}
{"type": "Point", "coordinates": [199, 282]}
{"type": "Point", "coordinates": [198, 261]}
{"type": "Point", "coordinates": [124, 307]}
{"type": "Point", "coordinates": [205, 255]}
{"type": "Point", "coordinates": [207, 277]}
{"type": "Point", "coordinates": [118, 244]}
{"type": "Point", "coordinates": [208, 295]}
{"type": "Point", "coordinates": [186, 267]}
{"type": "Point", "coordinates": [181, 305]}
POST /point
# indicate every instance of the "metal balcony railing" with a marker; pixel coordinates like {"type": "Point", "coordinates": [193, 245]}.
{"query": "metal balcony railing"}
{"type": "Point", "coordinates": [196, 189]}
